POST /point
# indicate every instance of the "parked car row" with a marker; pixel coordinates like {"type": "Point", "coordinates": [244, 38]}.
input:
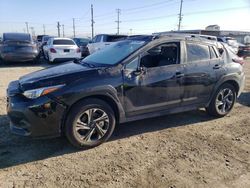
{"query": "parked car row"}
{"type": "Point", "coordinates": [20, 47]}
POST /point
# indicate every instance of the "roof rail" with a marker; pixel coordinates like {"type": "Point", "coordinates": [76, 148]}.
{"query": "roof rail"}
{"type": "Point", "coordinates": [187, 36]}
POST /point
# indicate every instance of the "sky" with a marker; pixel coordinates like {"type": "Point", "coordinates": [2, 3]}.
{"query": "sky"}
{"type": "Point", "coordinates": [137, 16]}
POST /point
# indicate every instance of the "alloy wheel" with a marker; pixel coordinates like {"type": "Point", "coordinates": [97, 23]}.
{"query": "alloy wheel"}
{"type": "Point", "coordinates": [91, 125]}
{"type": "Point", "coordinates": [224, 100]}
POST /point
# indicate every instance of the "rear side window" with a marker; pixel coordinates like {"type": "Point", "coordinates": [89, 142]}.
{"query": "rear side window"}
{"type": "Point", "coordinates": [197, 52]}
{"type": "Point", "coordinates": [63, 42]}
{"type": "Point", "coordinates": [16, 37]}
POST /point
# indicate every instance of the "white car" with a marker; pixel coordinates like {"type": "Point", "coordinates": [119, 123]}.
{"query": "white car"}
{"type": "Point", "coordinates": [101, 41]}
{"type": "Point", "coordinates": [232, 42]}
{"type": "Point", "coordinates": [61, 49]}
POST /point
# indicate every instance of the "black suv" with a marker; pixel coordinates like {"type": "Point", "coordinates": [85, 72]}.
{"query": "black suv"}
{"type": "Point", "coordinates": [137, 78]}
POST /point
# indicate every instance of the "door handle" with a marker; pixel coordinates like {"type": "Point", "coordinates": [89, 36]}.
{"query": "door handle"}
{"type": "Point", "coordinates": [179, 75]}
{"type": "Point", "coordinates": [217, 66]}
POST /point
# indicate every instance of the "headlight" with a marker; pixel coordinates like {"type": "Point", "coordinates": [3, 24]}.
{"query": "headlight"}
{"type": "Point", "coordinates": [35, 93]}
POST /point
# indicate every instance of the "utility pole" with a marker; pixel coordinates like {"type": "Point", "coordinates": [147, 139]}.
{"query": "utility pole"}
{"type": "Point", "coordinates": [74, 28]}
{"type": "Point", "coordinates": [118, 20]}
{"type": "Point", "coordinates": [58, 28]}
{"type": "Point", "coordinates": [27, 27]}
{"type": "Point", "coordinates": [92, 20]}
{"type": "Point", "coordinates": [44, 32]}
{"type": "Point", "coordinates": [130, 31]}
{"type": "Point", "coordinates": [63, 30]}
{"type": "Point", "coordinates": [180, 16]}
{"type": "Point", "coordinates": [32, 31]}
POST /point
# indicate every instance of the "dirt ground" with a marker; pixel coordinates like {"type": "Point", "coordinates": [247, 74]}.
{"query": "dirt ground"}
{"type": "Point", "coordinates": [183, 150]}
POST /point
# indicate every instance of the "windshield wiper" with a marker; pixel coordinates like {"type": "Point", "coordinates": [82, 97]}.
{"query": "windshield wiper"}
{"type": "Point", "coordinates": [88, 65]}
{"type": "Point", "coordinates": [78, 61]}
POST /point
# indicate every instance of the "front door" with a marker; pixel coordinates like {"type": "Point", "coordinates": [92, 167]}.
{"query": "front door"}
{"type": "Point", "coordinates": [157, 83]}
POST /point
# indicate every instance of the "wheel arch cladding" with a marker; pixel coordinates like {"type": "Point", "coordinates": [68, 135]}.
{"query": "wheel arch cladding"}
{"type": "Point", "coordinates": [234, 84]}
{"type": "Point", "coordinates": [104, 98]}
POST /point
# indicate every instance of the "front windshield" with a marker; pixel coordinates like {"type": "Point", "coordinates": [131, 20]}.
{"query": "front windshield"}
{"type": "Point", "coordinates": [114, 53]}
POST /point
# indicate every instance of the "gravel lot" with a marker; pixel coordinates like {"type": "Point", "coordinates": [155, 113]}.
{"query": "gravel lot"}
{"type": "Point", "coordinates": [183, 150]}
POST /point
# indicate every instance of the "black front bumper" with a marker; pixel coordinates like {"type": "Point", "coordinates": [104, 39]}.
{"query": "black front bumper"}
{"type": "Point", "coordinates": [41, 117]}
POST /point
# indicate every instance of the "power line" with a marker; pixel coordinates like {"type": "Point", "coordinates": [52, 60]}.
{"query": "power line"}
{"type": "Point", "coordinates": [146, 6]}
{"type": "Point", "coordinates": [187, 14]}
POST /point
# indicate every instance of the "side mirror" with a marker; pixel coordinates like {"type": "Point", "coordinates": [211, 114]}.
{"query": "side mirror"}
{"type": "Point", "coordinates": [90, 41]}
{"type": "Point", "coordinates": [221, 50]}
{"type": "Point", "coordinates": [140, 70]}
{"type": "Point", "coordinates": [44, 43]}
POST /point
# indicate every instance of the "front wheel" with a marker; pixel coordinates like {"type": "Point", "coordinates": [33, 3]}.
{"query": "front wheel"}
{"type": "Point", "coordinates": [89, 123]}
{"type": "Point", "coordinates": [223, 101]}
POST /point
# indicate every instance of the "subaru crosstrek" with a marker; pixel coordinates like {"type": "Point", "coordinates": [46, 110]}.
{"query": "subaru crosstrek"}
{"type": "Point", "coordinates": [129, 80]}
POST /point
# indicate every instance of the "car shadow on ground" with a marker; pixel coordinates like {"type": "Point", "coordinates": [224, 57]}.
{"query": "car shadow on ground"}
{"type": "Point", "coordinates": [39, 63]}
{"type": "Point", "coordinates": [244, 99]}
{"type": "Point", "coordinates": [15, 150]}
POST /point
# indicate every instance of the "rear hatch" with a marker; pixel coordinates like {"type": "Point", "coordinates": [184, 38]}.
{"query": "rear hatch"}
{"type": "Point", "coordinates": [65, 49]}
{"type": "Point", "coordinates": [18, 47]}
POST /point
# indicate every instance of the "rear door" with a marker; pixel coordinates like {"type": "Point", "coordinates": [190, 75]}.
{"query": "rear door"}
{"type": "Point", "coordinates": [199, 74]}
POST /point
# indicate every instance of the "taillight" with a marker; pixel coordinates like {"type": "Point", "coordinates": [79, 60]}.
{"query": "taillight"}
{"type": "Point", "coordinates": [78, 50]}
{"type": "Point", "coordinates": [52, 50]}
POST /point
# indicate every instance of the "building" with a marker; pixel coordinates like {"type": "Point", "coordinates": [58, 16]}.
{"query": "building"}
{"type": "Point", "coordinates": [240, 36]}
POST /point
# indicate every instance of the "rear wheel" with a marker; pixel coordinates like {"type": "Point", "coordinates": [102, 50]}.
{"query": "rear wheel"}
{"type": "Point", "coordinates": [223, 101]}
{"type": "Point", "coordinates": [90, 123]}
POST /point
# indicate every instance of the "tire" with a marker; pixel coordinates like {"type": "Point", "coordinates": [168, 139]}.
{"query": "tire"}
{"type": "Point", "coordinates": [84, 132]}
{"type": "Point", "coordinates": [48, 59]}
{"type": "Point", "coordinates": [37, 59]}
{"type": "Point", "coordinates": [221, 105]}
{"type": "Point", "coordinates": [45, 56]}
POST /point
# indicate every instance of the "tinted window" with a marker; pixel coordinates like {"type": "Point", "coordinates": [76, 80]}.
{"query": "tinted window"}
{"type": "Point", "coordinates": [16, 37]}
{"type": "Point", "coordinates": [39, 38]}
{"type": "Point", "coordinates": [63, 42]}
{"type": "Point", "coordinates": [219, 39]}
{"type": "Point", "coordinates": [212, 53]}
{"type": "Point", "coordinates": [162, 55]}
{"type": "Point", "coordinates": [197, 52]}
{"type": "Point", "coordinates": [46, 38]}
{"type": "Point", "coordinates": [98, 38]}
{"type": "Point", "coordinates": [114, 38]}
{"type": "Point", "coordinates": [81, 41]}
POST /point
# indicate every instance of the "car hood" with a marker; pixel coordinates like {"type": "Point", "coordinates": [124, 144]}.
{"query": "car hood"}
{"type": "Point", "coordinates": [61, 74]}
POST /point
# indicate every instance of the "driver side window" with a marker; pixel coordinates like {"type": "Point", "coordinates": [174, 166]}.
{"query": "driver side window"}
{"type": "Point", "coordinates": [161, 55]}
